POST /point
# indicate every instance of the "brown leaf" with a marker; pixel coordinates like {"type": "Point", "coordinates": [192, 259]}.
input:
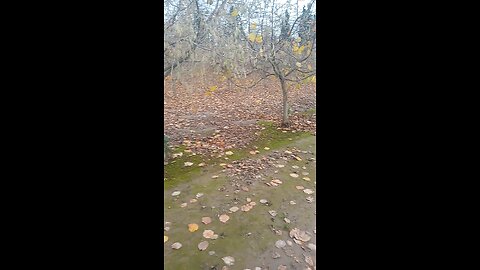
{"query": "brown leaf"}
{"type": "Point", "coordinates": [203, 245]}
{"type": "Point", "coordinates": [308, 191]}
{"type": "Point", "coordinates": [233, 209]}
{"type": "Point", "coordinates": [224, 218]}
{"type": "Point", "coordinates": [176, 245]}
{"type": "Point", "coordinates": [206, 220]}
{"type": "Point", "coordinates": [208, 234]}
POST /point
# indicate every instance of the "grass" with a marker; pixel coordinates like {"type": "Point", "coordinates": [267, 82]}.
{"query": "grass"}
{"type": "Point", "coordinates": [310, 111]}
{"type": "Point", "coordinates": [269, 136]}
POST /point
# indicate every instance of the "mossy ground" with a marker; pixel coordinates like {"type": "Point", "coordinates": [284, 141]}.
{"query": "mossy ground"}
{"type": "Point", "coordinates": [251, 250]}
{"type": "Point", "coordinates": [271, 137]}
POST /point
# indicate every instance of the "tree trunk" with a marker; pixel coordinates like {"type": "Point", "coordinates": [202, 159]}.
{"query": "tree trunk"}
{"type": "Point", "coordinates": [283, 83]}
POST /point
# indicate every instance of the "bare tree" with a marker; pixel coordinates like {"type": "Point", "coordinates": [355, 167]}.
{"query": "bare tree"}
{"type": "Point", "coordinates": [239, 38]}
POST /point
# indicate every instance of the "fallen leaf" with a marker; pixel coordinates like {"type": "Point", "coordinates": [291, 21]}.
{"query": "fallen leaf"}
{"type": "Point", "coordinates": [183, 205]}
{"type": "Point", "coordinates": [299, 187]}
{"type": "Point", "coordinates": [306, 178]}
{"type": "Point", "coordinates": [277, 181]}
{"type": "Point", "coordinates": [203, 245]}
{"type": "Point", "coordinates": [199, 195]}
{"type": "Point", "coordinates": [294, 175]}
{"type": "Point", "coordinates": [287, 220]}
{"type": "Point", "coordinates": [208, 234]}
{"type": "Point", "coordinates": [193, 200]}
{"type": "Point", "coordinates": [299, 235]}
{"type": "Point", "coordinates": [176, 245]}
{"type": "Point", "coordinates": [201, 164]}
{"type": "Point", "coordinates": [192, 227]}
{"type": "Point", "coordinates": [305, 173]}
{"type": "Point", "coordinates": [224, 218]}
{"type": "Point", "coordinates": [206, 220]}
{"type": "Point", "coordinates": [280, 165]}
{"type": "Point", "coordinates": [176, 193]}
{"type": "Point", "coordinates": [308, 260]}
{"type": "Point", "coordinates": [312, 246]}
{"type": "Point", "coordinates": [246, 208]}
{"type": "Point", "coordinates": [188, 164]}
{"type": "Point", "coordinates": [252, 152]}
{"type": "Point", "coordinates": [229, 153]}
{"type": "Point", "coordinates": [280, 244]}
{"type": "Point", "coordinates": [266, 148]}
{"type": "Point", "coordinates": [233, 209]}
{"type": "Point", "coordinates": [165, 239]}
{"type": "Point", "coordinates": [229, 260]}
{"type": "Point", "coordinates": [272, 213]}
{"type": "Point", "coordinates": [263, 201]}
{"type": "Point", "coordinates": [308, 191]}
{"type": "Point", "coordinates": [177, 155]}
{"type": "Point", "coordinates": [215, 177]}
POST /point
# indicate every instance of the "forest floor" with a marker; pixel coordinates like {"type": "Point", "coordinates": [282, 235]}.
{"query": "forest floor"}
{"type": "Point", "coordinates": [239, 191]}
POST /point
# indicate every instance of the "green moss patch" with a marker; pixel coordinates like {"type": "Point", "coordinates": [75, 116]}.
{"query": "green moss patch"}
{"type": "Point", "coordinates": [270, 136]}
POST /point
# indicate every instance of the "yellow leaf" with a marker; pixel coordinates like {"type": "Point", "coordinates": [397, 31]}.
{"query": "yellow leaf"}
{"type": "Point", "coordinates": [253, 26]}
{"type": "Point", "coordinates": [313, 79]}
{"type": "Point", "coordinates": [252, 37]}
{"type": "Point", "coordinates": [192, 227]}
{"type": "Point", "coordinates": [259, 39]}
{"type": "Point", "coordinates": [234, 13]}
{"type": "Point", "coordinates": [165, 239]}
{"type": "Point", "coordinates": [295, 48]}
{"type": "Point", "coordinates": [213, 88]}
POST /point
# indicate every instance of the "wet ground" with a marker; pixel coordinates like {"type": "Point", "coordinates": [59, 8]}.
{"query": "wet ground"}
{"type": "Point", "coordinates": [251, 234]}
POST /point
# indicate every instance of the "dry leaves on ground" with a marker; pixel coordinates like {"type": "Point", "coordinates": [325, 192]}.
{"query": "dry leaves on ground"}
{"type": "Point", "coordinates": [224, 218]}
{"type": "Point", "coordinates": [192, 227]}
